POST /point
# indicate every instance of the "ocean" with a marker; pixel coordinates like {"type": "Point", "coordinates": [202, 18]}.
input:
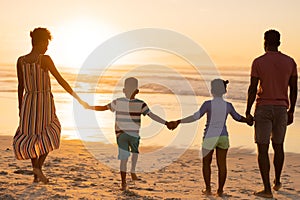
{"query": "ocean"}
{"type": "Point", "coordinates": [171, 92]}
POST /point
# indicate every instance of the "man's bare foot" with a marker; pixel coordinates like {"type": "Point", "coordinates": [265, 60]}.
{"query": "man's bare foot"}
{"type": "Point", "coordinates": [134, 177]}
{"type": "Point", "coordinates": [263, 194]}
{"type": "Point", "coordinates": [276, 186]}
{"type": "Point", "coordinates": [206, 192]}
{"type": "Point", "coordinates": [38, 172]}
{"type": "Point", "coordinates": [220, 193]}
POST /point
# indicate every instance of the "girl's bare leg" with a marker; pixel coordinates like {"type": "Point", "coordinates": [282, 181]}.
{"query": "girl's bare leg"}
{"type": "Point", "coordinates": [222, 168]}
{"type": "Point", "coordinates": [206, 170]}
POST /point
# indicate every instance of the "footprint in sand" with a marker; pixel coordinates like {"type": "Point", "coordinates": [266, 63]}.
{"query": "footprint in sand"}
{"type": "Point", "coordinates": [58, 196]}
{"type": "Point", "coordinates": [3, 173]}
{"type": "Point", "coordinates": [290, 189]}
{"type": "Point", "coordinates": [59, 189]}
{"type": "Point", "coordinates": [7, 197]}
{"type": "Point", "coordinates": [24, 172]}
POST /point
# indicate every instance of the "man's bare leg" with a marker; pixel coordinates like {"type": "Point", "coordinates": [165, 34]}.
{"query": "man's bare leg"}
{"type": "Point", "coordinates": [278, 164]}
{"type": "Point", "coordinates": [264, 167]}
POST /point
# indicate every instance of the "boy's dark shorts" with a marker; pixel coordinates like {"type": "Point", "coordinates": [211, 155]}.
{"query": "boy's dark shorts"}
{"type": "Point", "coordinates": [126, 144]}
{"type": "Point", "coordinates": [270, 122]}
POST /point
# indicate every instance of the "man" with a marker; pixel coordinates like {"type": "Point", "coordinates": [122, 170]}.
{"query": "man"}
{"type": "Point", "coordinates": [275, 73]}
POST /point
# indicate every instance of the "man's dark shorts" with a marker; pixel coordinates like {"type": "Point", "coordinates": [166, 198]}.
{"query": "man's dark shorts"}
{"type": "Point", "coordinates": [270, 122]}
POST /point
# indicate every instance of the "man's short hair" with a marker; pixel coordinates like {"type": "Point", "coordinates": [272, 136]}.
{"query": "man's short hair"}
{"type": "Point", "coordinates": [272, 38]}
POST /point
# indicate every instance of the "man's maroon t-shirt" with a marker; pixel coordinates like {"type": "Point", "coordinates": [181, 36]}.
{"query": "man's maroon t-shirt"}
{"type": "Point", "coordinates": [274, 70]}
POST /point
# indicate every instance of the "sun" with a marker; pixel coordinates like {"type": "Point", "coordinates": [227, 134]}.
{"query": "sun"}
{"type": "Point", "coordinates": [75, 39]}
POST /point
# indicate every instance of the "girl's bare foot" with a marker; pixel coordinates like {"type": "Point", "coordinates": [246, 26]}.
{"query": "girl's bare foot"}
{"type": "Point", "coordinates": [206, 192]}
{"type": "Point", "coordinates": [38, 172]}
{"type": "Point", "coordinates": [276, 186]}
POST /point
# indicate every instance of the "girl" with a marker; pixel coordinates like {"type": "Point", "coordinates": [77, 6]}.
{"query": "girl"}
{"type": "Point", "coordinates": [215, 133]}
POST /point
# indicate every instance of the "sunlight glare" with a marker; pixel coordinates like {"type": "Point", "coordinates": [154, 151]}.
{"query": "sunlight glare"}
{"type": "Point", "coordinates": [74, 41]}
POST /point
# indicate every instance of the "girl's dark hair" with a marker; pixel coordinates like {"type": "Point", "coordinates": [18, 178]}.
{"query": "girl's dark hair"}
{"type": "Point", "coordinates": [219, 86]}
{"type": "Point", "coordinates": [40, 35]}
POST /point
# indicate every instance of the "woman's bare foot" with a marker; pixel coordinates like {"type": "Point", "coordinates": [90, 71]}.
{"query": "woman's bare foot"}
{"type": "Point", "coordinates": [35, 179]}
{"type": "Point", "coordinates": [38, 172]}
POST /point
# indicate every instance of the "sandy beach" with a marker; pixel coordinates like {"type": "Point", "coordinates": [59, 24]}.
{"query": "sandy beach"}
{"type": "Point", "coordinates": [76, 174]}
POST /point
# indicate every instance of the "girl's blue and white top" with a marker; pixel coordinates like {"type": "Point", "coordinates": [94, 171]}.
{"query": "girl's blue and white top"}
{"type": "Point", "coordinates": [217, 111]}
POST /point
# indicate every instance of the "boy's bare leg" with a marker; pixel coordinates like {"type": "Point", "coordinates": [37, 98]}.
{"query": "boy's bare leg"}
{"type": "Point", "coordinates": [222, 168]}
{"type": "Point", "coordinates": [134, 159]}
{"type": "Point", "coordinates": [123, 170]}
{"type": "Point", "coordinates": [206, 170]}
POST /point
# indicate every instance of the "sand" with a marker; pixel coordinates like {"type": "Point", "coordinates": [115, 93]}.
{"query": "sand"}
{"type": "Point", "coordinates": [76, 174]}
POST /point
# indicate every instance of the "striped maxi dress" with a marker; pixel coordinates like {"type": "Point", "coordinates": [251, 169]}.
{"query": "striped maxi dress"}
{"type": "Point", "coordinates": [39, 128]}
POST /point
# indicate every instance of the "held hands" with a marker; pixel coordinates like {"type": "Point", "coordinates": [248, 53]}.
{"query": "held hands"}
{"type": "Point", "coordinates": [172, 124]}
{"type": "Point", "coordinates": [249, 119]}
{"type": "Point", "coordinates": [84, 104]}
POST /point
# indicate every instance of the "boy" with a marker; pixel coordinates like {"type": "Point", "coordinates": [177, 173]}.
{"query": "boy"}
{"type": "Point", "coordinates": [128, 120]}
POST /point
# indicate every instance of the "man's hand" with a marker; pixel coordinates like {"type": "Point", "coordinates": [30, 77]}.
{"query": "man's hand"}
{"type": "Point", "coordinates": [290, 117]}
{"type": "Point", "coordinates": [250, 119]}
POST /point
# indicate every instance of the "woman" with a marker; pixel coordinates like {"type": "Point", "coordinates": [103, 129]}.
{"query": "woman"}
{"type": "Point", "coordinates": [39, 128]}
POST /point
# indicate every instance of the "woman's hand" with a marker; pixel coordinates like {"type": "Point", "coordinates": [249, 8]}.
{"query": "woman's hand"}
{"type": "Point", "coordinates": [83, 103]}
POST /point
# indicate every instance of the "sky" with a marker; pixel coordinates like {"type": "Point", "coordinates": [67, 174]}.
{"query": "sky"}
{"type": "Point", "coordinates": [231, 31]}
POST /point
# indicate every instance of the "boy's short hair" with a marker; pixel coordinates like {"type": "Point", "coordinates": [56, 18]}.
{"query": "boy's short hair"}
{"type": "Point", "coordinates": [40, 35]}
{"type": "Point", "coordinates": [131, 83]}
{"type": "Point", "coordinates": [218, 86]}
{"type": "Point", "coordinates": [272, 38]}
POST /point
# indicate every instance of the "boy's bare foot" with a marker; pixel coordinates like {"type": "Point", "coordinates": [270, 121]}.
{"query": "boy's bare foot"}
{"type": "Point", "coordinates": [134, 177]}
{"type": "Point", "coordinates": [276, 186]}
{"type": "Point", "coordinates": [38, 172]}
{"type": "Point", "coordinates": [263, 194]}
{"type": "Point", "coordinates": [123, 186]}
{"type": "Point", "coordinates": [206, 192]}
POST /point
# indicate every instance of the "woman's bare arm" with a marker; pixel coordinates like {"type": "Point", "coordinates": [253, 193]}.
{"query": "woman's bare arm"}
{"type": "Point", "coordinates": [48, 63]}
{"type": "Point", "coordinates": [20, 83]}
